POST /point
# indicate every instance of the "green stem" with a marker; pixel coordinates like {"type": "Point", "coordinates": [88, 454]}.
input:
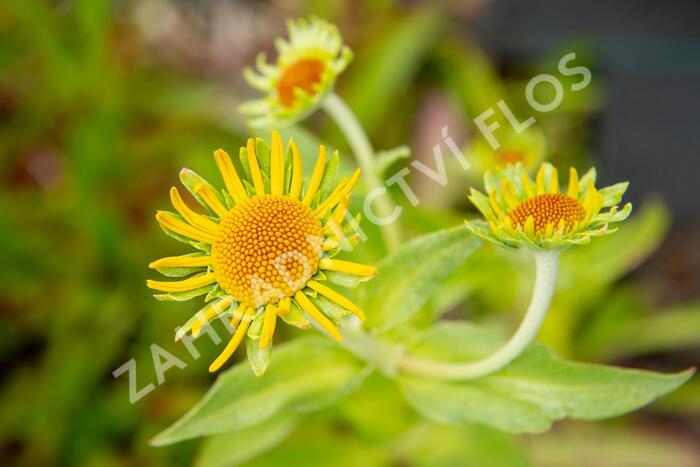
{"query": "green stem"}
{"type": "Point", "coordinates": [545, 279]}
{"type": "Point", "coordinates": [338, 110]}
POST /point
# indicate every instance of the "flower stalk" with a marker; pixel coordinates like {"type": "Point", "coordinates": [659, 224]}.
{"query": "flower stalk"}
{"type": "Point", "coordinates": [545, 279]}
{"type": "Point", "coordinates": [361, 147]}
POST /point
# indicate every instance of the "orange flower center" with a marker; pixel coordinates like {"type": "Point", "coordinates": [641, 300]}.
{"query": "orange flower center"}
{"type": "Point", "coordinates": [510, 156]}
{"type": "Point", "coordinates": [266, 249]}
{"type": "Point", "coordinates": [304, 74]}
{"type": "Point", "coordinates": [548, 209]}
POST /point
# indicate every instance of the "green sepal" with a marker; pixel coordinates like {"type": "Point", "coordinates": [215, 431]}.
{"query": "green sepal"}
{"type": "Point", "coordinates": [190, 180]}
{"type": "Point", "coordinates": [183, 296]}
{"type": "Point", "coordinates": [343, 279]}
{"type": "Point", "coordinates": [332, 310]}
{"type": "Point", "coordinates": [295, 317]}
{"type": "Point", "coordinates": [258, 358]}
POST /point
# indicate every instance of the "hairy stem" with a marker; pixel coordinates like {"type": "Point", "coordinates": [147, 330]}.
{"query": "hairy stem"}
{"type": "Point", "coordinates": [356, 137]}
{"type": "Point", "coordinates": [545, 279]}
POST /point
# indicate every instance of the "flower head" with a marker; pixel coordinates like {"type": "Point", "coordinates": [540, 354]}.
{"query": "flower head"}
{"type": "Point", "coordinates": [520, 212]}
{"type": "Point", "coordinates": [527, 148]}
{"type": "Point", "coordinates": [265, 246]}
{"type": "Point", "coordinates": [307, 66]}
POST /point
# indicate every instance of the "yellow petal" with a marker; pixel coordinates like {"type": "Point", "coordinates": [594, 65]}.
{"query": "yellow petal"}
{"type": "Point", "coordinates": [210, 314]}
{"type": "Point", "coordinates": [339, 215]}
{"type": "Point", "coordinates": [540, 181]}
{"type": "Point", "coordinates": [336, 297]}
{"type": "Point", "coordinates": [269, 321]}
{"type": "Point", "coordinates": [316, 177]}
{"type": "Point", "coordinates": [527, 185]}
{"type": "Point", "coordinates": [297, 175]}
{"type": "Point", "coordinates": [254, 167]}
{"type": "Point", "coordinates": [231, 346]}
{"type": "Point", "coordinates": [549, 230]}
{"type": "Point", "coordinates": [174, 224]}
{"type": "Point", "coordinates": [197, 220]}
{"type": "Point", "coordinates": [316, 315]}
{"type": "Point", "coordinates": [353, 181]}
{"type": "Point", "coordinates": [276, 164]}
{"type": "Point", "coordinates": [181, 262]}
{"type": "Point", "coordinates": [554, 181]}
{"type": "Point", "coordinates": [184, 285]}
{"type": "Point", "coordinates": [347, 267]}
{"type": "Point", "coordinates": [495, 205]}
{"type": "Point", "coordinates": [530, 227]}
{"type": "Point", "coordinates": [573, 183]}
{"type": "Point", "coordinates": [508, 194]}
{"type": "Point", "coordinates": [231, 180]}
{"type": "Point", "coordinates": [284, 306]}
{"type": "Point", "coordinates": [211, 199]}
{"type": "Point", "coordinates": [332, 199]}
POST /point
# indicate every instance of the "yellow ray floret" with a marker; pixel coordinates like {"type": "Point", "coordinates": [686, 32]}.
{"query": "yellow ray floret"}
{"type": "Point", "coordinates": [210, 313]}
{"type": "Point", "coordinates": [211, 199]}
{"type": "Point", "coordinates": [258, 183]}
{"type": "Point", "coordinates": [173, 224]}
{"type": "Point", "coordinates": [276, 165]}
{"type": "Point", "coordinates": [334, 296]}
{"type": "Point", "coordinates": [181, 262]}
{"type": "Point", "coordinates": [269, 321]}
{"type": "Point", "coordinates": [184, 285]}
{"type": "Point", "coordinates": [196, 220]}
{"type": "Point", "coordinates": [347, 267]}
{"type": "Point", "coordinates": [233, 343]}
{"type": "Point", "coordinates": [231, 180]}
{"type": "Point", "coordinates": [317, 316]}
{"type": "Point", "coordinates": [295, 188]}
{"type": "Point", "coordinates": [316, 177]}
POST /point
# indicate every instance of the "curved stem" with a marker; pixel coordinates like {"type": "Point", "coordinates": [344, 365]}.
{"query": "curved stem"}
{"type": "Point", "coordinates": [356, 137]}
{"type": "Point", "coordinates": [545, 279]}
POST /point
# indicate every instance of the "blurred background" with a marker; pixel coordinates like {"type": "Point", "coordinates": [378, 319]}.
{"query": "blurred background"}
{"type": "Point", "coordinates": [101, 104]}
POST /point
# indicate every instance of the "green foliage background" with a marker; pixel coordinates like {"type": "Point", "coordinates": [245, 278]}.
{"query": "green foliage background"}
{"type": "Point", "coordinates": [96, 119]}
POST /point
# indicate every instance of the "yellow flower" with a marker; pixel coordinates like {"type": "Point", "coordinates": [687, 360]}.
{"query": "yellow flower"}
{"type": "Point", "coordinates": [307, 66]}
{"type": "Point", "coordinates": [527, 148]}
{"type": "Point", "coordinates": [266, 245]}
{"type": "Point", "coordinates": [521, 212]}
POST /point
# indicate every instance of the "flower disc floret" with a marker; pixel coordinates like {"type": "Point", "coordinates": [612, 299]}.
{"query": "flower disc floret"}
{"type": "Point", "coordinates": [267, 243]}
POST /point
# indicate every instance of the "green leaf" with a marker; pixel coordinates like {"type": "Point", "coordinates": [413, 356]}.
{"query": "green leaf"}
{"type": "Point", "coordinates": [470, 445]}
{"type": "Point", "coordinates": [307, 374]}
{"type": "Point", "coordinates": [661, 331]}
{"type": "Point", "coordinates": [236, 447]}
{"type": "Point", "coordinates": [408, 278]}
{"type": "Point", "coordinates": [535, 390]}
